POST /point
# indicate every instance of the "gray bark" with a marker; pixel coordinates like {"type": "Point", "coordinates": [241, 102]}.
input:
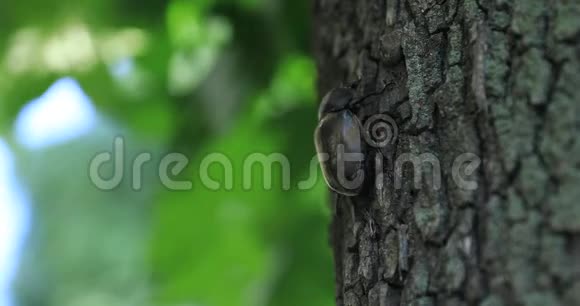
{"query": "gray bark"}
{"type": "Point", "coordinates": [495, 78]}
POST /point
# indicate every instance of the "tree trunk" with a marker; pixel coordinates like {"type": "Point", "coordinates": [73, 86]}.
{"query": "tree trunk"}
{"type": "Point", "coordinates": [493, 78]}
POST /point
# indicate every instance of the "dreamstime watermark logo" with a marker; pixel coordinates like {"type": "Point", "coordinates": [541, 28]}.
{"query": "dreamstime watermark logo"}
{"type": "Point", "coordinates": [379, 131]}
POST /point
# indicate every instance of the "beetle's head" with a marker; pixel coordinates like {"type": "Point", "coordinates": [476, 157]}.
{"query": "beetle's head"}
{"type": "Point", "coordinates": [335, 100]}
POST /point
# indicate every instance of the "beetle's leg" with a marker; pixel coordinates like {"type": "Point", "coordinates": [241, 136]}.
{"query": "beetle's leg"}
{"type": "Point", "coordinates": [403, 249]}
{"type": "Point", "coordinates": [371, 223]}
{"type": "Point", "coordinates": [353, 84]}
{"type": "Point", "coordinates": [356, 102]}
{"type": "Point", "coordinates": [334, 203]}
{"type": "Point", "coordinates": [350, 205]}
{"type": "Point", "coordinates": [352, 214]}
{"type": "Point", "coordinates": [379, 178]}
{"type": "Point", "coordinates": [353, 218]}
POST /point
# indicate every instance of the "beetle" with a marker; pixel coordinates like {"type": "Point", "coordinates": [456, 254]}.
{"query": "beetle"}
{"type": "Point", "coordinates": [338, 141]}
{"type": "Point", "coordinates": [338, 137]}
{"type": "Point", "coordinates": [341, 151]}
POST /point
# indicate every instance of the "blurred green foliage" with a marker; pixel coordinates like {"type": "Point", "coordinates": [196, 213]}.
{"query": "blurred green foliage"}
{"type": "Point", "coordinates": [192, 76]}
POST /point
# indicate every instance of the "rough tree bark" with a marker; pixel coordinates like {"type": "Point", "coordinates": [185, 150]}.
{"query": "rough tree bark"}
{"type": "Point", "coordinates": [491, 77]}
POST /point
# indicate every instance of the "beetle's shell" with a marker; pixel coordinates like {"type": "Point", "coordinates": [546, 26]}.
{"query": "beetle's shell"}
{"type": "Point", "coordinates": [334, 129]}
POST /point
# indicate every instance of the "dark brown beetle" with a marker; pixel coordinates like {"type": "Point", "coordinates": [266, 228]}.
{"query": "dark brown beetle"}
{"type": "Point", "coordinates": [338, 139]}
{"type": "Point", "coordinates": [338, 142]}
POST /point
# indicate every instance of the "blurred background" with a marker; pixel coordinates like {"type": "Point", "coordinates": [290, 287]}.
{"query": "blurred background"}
{"type": "Point", "coordinates": [187, 76]}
